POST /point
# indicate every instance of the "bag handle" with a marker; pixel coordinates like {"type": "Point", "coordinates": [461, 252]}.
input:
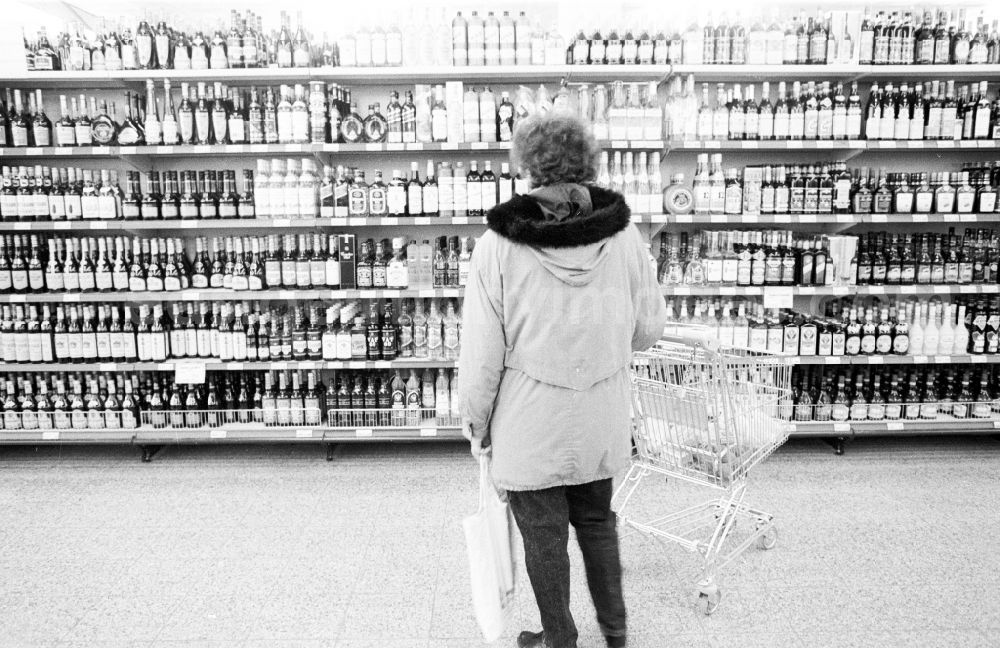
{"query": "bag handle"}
{"type": "Point", "coordinates": [485, 482]}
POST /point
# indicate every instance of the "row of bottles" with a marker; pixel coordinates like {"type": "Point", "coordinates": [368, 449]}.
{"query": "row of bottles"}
{"type": "Point", "coordinates": [832, 188]}
{"type": "Point", "coordinates": [70, 401]}
{"type": "Point", "coordinates": [744, 258]}
{"type": "Point", "coordinates": [890, 258]}
{"type": "Point", "coordinates": [941, 393]}
{"type": "Point", "coordinates": [231, 331]}
{"type": "Point", "coordinates": [446, 190]}
{"type": "Point", "coordinates": [35, 264]}
{"type": "Point", "coordinates": [376, 399]}
{"type": "Point", "coordinates": [637, 176]}
{"type": "Point", "coordinates": [850, 328]}
{"type": "Point", "coordinates": [244, 44]}
{"type": "Point", "coordinates": [88, 401]}
{"type": "Point", "coordinates": [283, 188]}
{"type": "Point", "coordinates": [42, 193]}
{"type": "Point", "coordinates": [823, 111]}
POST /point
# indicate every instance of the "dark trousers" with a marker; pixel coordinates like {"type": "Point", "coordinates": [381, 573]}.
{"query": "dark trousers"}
{"type": "Point", "coordinates": [544, 516]}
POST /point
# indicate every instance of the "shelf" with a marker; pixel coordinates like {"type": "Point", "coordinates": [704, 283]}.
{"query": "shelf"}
{"type": "Point", "coordinates": [416, 363]}
{"type": "Point", "coordinates": [254, 150]}
{"type": "Point", "coordinates": [942, 425]}
{"type": "Point", "coordinates": [841, 71]}
{"type": "Point", "coordinates": [275, 223]}
{"type": "Point", "coordinates": [229, 433]}
{"type": "Point", "coordinates": [831, 145]}
{"type": "Point", "coordinates": [506, 74]}
{"type": "Point", "coordinates": [823, 219]}
{"type": "Point", "coordinates": [498, 74]}
{"type": "Point", "coordinates": [248, 365]}
{"type": "Point", "coordinates": [221, 294]}
{"type": "Point", "coordinates": [826, 291]}
{"type": "Point", "coordinates": [103, 435]}
{"type": "Point", "coordinates": [875, 360]}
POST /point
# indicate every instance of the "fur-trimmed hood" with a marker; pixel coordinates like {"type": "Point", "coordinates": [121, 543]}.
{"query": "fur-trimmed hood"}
{"type": "Point", "coordinates": [572, 249]}
{"type": "Point", "coordinates": [520, 219]}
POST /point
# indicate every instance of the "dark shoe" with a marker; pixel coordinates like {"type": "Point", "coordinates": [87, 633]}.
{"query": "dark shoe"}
{"type": "Point", "coordinates": [616, 642]}
{"type": "Point", "coordinates": [531, 640]}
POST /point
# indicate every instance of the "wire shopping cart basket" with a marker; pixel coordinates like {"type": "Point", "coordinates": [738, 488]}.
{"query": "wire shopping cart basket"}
{"type": "Point", "coordinates": [706, 414]}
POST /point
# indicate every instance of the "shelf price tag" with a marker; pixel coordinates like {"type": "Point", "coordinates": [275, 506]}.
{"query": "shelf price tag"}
{"type": "Point", "coordinates": [727, 290]}
{"type": "Point", "coordinates": [50, 435]}
{"type": "Point", "coordinates": [449, 146]}
{"type": "Point", "coordinates": [203, 148]}
{"type": "Point", "coordinates": [832, 360]}
{"type": "Point", "coordinates": [996, 425]}
{"type": "Point", "coordinates": [394, 146]}
{"type": "Point", "coordinates": [920, 218]}
{"type": "Point", "coordinates": [422, 220]}
{"type": "Point", "coordinates": [217, 434]}
{"type": "Point", "coordinates": [281, 222]}
{"type": "Point", "coordinates": [188, 372]}
{"type": "Point", "coordinates": [363, 433]}
{"type": "Point", "coordinates": [61, 225]}
{"type": "Point", "coordinates": [794, 144]}
{"type": "Point", "coordinates": [880, 218]}
{"type": "Point", "coordinates": [460, 220]}
{"type": "Point", "coordinates": [718, 218]}
{"type": "Point", "coordinates": [778, 297]}
{"type": "Point", "coordinates": [942, 289]}
{"type": "Point", "coordinates": [751, 145]}
{"type": "Point", "coordinates": [714, 144]}
{"type": "Point", "coordinates": [824, 144]}
{"type": "Point", "coordinates": [876, 360]}
{"type": "Point", "coordinates": [894, 426]}
{"type": "Point", "coordinates": [782, 218]}
{"type": "Point", "coordinates": [480, 146]}
{"type": "Point", "coordinates": [966, 288]}
{"type": "Point", "coordinates": [977, 359]}
{"type": "Point", "coordinates": [750, 218]}
{"type": "Point", "coordinates": [33, 150]}
{"type": "Point", "coordinates": [428, 432]}
{"type": "Point", "coordinates": [63, 150]}
{"type": "Point", "coordinates": [415, 146]}
{"type": "Point", "coordinates": [303, 434]}
{"type": "Point", "coordinates": [389, 220]}
{"type": "Point", "coordinates": [356, 221]}
{"type": "Point", "coordinates": [942, 359]}
{"type": "Point", "coordinates": [908, 290]}
{"type": "Point", "coordinates": [887, 144]}
{"type": "Point", "coordinates": [684, 218]}
{"type": "Point", "coordinates": [841, 427]}
{"type": "Point", "coordinates": [919, 359]}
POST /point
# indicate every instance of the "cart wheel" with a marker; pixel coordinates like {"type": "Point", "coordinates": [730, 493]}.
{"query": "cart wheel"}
{"type": "Point", "coordinates": [768, 539]}
{"type": "Point", "coordinates": [708, 601]}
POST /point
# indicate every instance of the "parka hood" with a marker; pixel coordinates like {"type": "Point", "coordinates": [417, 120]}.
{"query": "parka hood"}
{"type": "Point", "coordinates": [571, 248]}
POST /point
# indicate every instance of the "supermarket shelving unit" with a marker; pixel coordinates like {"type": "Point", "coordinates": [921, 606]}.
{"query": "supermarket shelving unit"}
{"type": "Point", "coordinates": [677, 157]}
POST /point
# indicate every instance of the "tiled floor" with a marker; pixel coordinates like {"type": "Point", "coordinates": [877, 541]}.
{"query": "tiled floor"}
{"type": "Point", "coordinates": [897, 543]}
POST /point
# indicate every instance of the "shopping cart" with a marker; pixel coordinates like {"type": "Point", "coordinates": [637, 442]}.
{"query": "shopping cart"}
{"type": "Point", "coordinates": [706, 414]}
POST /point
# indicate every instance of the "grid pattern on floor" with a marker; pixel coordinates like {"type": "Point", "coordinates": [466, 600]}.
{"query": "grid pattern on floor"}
{"type": "Point", "coordinates": [893, 544]}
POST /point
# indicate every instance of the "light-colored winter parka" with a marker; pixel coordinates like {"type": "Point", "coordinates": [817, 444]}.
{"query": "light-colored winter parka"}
{"type": "Point", "coordinates": [553, 310]}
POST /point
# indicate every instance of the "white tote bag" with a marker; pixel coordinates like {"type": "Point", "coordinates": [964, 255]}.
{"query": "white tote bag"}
{"type": "Point", "coordinates": [489, 535]}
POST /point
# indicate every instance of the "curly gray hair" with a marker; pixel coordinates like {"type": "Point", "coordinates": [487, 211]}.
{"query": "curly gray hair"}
{"type": "Point", "coordinates": [554, 147]}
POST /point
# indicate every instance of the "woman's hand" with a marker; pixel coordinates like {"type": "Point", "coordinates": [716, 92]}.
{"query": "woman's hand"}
{"type": "Point", "coordinates": [479, 445]}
